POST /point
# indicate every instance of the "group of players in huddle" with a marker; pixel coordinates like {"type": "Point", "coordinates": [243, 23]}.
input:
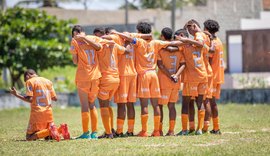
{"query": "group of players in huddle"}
{"type": "Point", "coordinates": [124, 66]}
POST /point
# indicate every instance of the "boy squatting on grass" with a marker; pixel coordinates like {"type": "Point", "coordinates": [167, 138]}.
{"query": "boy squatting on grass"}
{"type": "Point", "coordinates": [40, 93]}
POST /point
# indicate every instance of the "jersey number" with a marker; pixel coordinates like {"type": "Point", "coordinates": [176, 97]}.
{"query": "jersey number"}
{"type": "Point", "coordinates": [43, 97]}
{"type": "Point", "coordinates": [197, 60]}
{"type": "Point", "coordinates": [173, 63]}
{"type": "Point", "coordinates": [89, 53]}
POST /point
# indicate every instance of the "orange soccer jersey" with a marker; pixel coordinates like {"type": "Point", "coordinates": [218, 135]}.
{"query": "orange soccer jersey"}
{"type": "Point", "coordinates": [195, 75]}
{"type": "Point", "coordinates": [41, 90]}
{"type": "Point", "coordinates": [128, 79]}
{"type": "Point", "coordinates": [218, 66]}
{"type": "Point", "coordinates": [108, 62]}
{"type": "Point", "coordinates": [88, 68]}
{"type": "Point", "coordinates": [145, 63]}
{"type": "Point", "coordinates": [201, 36]}
{"type": "Point", "coordinates": [169, 89]}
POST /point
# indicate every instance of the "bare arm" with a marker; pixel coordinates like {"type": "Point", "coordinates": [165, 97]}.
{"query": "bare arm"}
{"type": "Point", "coordinates": [146, 36]}
{"type": "Point", "coordinates": [163, 68]}
{"type": "Point", "coordinates": [172, 49]}
{"type": "Point", "coordinates": [107, 37]}
{"type": "Point", "coordinates": [14, 92]}
{"type": "Point", "coordinates": [92, 43]}
{"type": "Point", "coordinates": [179, 71]}
{"type": "Point", "coordinates": [124, 36]}
{"type": "Point", "coordinates": [190, 41]}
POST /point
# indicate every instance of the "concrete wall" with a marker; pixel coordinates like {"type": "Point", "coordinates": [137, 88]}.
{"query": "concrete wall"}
{"type": "Point", "coordinates": [228, 12]}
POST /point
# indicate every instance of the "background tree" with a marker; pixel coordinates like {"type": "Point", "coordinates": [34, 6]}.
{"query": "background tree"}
{"type": "Point", "coordinates": [30, 38]}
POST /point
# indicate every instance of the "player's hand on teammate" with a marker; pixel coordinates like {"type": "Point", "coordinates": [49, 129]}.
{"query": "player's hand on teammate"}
{"type": "Point", "coordinates": [13, 91]}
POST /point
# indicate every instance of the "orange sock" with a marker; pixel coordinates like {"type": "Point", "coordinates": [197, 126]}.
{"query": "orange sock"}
{"type": "Point", "coordinates": [94, 119]}
{"type": "Point", "coordinates": [201, 114]}
{"type": "Point", "coordinates": [105, 115]}
{"type": "Point", "coordinates": [111, 116]}
{"type": "Point", "coordinates": [144, 119]}
{"type": "Point", "coordinates": [206, 125]}
{"type": "Point", "coordinates": [120, 125]}
{"type": "Point", "coordinates": [156, 123]}
{"type": "Point", "coordinates": [171, 125]}
{"type": "Point", "coordinates": [184, 118]}
{"type": "Point", "coordinates": [160, 126]}
{"type": "Point", "coordinates": [43, 133]}
{"type": "Point", "coordinates": [192, 125]}
{"type": "Point", "coordinates": [216, 123]}
{"type": "Point", "coordinates": [131, 125]}
{"type": "Point", "coordinates": [85, 121]}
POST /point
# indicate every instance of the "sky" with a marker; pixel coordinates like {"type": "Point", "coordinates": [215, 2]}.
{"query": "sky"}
{"type": "Point", "coordinates": [91, 4]}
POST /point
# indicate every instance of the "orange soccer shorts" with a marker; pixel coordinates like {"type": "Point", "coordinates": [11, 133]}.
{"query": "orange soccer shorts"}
{"type": "Point", "coordinates": [107, 88]}
{"type": "Point", "coordinates": [126, 91]}
{"type": "Point", "coordinates": [168, 95]}
{"type": "Point", "coordinates": [35, 127]}
{"type": "Point", "coordinates": [90, 87]}
{"type": "Point", "coordinates": [194, 89]}
{"type": "Point", "coordinates": [148, 85]}
{"type": "Point", "coordinates": [216, 90]}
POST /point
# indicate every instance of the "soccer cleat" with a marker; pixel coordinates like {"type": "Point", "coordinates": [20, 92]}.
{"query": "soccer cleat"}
{"type": "Point", "coordinates": [113, 132]}
{"type": "Point", "coordinates": [94, 135]}
{"type": "Point", "coordinates": [110, 136]}
{"type": "Point", "coordinates": [65, 132]}
{"type": "Point", "coordinates": [121, 135]}
{"type": "Point", "coordinates": [198, 132]}
{"type": "Point", "coordinates": [54, 133]}
{"type": "Point", "coordinates": [155, 134]}
{"type": "Point", "coordinates": [84, 136]}
{"type": "Point", "coordinates": [183, 132]}
{"type": "Point", "coordinates": [170, 133]}
{"type": "Point", "coordinates": [215, 132]}
{"type": "Point", "coordinates": [129, 134]}
{"type": "Point", "coordinates": [205, 132]}
{"type": "Point", "coordinates": [191, 132]}
{"type": "Point", "coordinates": [142, 134]}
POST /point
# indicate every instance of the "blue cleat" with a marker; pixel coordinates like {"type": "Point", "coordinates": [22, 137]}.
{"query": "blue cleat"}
{"type": "Point", "coordinates": [94, 135]}
{"type": "Point", "coordinates": [183, 132]}
{"type": "Point", "coordinates": [85, 135]}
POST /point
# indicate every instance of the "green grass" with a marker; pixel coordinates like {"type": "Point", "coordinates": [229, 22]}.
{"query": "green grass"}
{"type": "Point", "coordinates": [246, 131]}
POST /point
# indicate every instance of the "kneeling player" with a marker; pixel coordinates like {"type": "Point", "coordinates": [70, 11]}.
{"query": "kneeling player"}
{"type": "Point", "coordinates": [40, 93]}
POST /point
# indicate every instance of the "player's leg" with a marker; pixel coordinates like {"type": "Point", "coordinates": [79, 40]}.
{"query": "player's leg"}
{"type": "Point", "coordinates": [191, 115]}
{"type": "Point", "coordinates": [161, 119]}
{"type": "Point", "coordinates": [93, 110]}
{"type": "Point", "coordinates": [83, 96]}
{"type": "Point", "coordinates": [131, 118]}
{"type": "Point", "coordinates": [106, 118]}
{"type": "Point", "coordinates": [155, 95]}
{"type": "Point", "coordinates": [154, 102]}
{"type": "Point", "coordinates": [184, 115]}
{"type": "Point", "coordinates": [214, 109]}
{"type": "Point", "coordinates": [121, 114]}
{"type": "Point", "coordinates": [144, 117]}
{"type": "Point", "coordinates": [172, 117]}
{"type": "Point", "coordinates": [207, 117]}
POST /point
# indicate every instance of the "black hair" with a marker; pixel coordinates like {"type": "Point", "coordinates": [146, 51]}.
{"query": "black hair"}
{"type": "Point", "coordinates": [108, 30]}
{"type": "Point", "coordinates": [193, 21]}
{"type": "Point", "coordinates": [144, 28]}
{"type": "Point", "coordinates": [29, 72]}
{"type": "Point", "coordinates": [211, 25]}
{"type": "Point", "coordinates": [179, 31]}
{"type": "Point", "coordinates": [167, 33]}
{"type": "Point", "coordinates": [76, 28]}
{"type": "Point", "coordinates": [99, 30]}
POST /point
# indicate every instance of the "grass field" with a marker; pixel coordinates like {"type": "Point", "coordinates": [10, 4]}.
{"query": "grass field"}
{"type": "Point", "coordinates": [246, 131]}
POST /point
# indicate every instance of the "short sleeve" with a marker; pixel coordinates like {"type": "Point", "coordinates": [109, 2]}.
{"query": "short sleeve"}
{"type": "Point", "coordinates": [158, 45]}
{"type": "Point", "coordinates": [73, 47]}
{"type": "Point", "coordinates": [120, 49]}
{"type": "Point", "coordinates": [181, 57]}
{"type": "Point", "coordinates": [29, 88]}
{"type": "Point", "coordinates": [199, 37]}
